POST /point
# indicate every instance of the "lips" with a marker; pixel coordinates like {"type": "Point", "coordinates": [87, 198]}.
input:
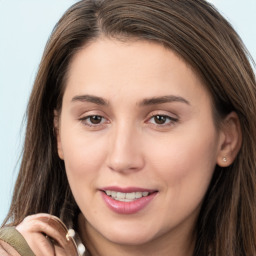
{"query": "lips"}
{"type": "Point", "coordinates": [127, 200]}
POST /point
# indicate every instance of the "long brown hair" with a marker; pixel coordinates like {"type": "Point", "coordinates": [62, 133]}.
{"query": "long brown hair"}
{"type": "Point", "coordinates": [206, 41]}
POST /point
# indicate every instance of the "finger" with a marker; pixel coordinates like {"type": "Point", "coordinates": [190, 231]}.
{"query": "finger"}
{"type": "Point", "coordinates": [50, 226]}
{"type": "Point", "coordinates": [60, 251]}
{"type": "Point", "coordinates": [40, 245]}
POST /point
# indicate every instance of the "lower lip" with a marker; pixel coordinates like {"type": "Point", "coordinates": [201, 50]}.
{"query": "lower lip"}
{"type": "Point", "coordinates": [127, 207]}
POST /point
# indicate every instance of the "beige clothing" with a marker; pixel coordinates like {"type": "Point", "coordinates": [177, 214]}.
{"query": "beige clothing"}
{"type": "Point", "coordinates": [12, 243]}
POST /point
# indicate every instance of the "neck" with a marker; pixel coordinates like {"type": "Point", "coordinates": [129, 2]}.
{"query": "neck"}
{"type": "Point", "coordinates": [175, 244]}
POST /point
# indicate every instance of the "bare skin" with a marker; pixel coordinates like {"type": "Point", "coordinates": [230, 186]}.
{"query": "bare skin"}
{"type": "Point", "coordinates": [46, 236]}
{"type": "Point", "coordinates": [134, 115]}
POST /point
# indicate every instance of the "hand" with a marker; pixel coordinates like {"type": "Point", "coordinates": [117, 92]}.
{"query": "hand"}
{"type": "Point", "coordinates": [46, 235]}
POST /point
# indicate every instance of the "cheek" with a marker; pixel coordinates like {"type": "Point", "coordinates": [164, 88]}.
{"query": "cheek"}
{"type": "Point", "coordinates": [186, 163]}
{"type": "Point", "coordinates": [83, 159]}
{"type": "Point", "coordinates": [83, 154]}
{"type": "Point", "coordinates": [184, 168]}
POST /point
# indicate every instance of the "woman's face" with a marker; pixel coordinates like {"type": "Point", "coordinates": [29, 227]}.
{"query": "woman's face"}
{"type": "Point", "coordinates": [137, 136]}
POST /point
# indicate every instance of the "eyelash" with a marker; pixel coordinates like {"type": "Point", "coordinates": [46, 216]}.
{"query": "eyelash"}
{"type": "Point", "coordinates": [87, 120]}
{"type": "Point", "coordinates": [171, 120]}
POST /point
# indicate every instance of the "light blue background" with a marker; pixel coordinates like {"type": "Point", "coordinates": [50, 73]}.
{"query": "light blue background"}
{"type": "Point", "coordinates": [25, 26]}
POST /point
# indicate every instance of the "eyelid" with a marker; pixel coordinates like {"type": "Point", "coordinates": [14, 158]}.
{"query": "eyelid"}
{"type": "Point", "coordinates": [162, 113]}
{"type": "Point", "coordinates": [83, 119]}
{"type": "Point", "coordinates": [173, 120]}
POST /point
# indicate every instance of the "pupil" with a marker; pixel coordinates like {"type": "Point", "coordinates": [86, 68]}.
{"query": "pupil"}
{"type": "Point", "coordinates": [95, 119]}
{"type": "Point", "coordinates": [160, 119]}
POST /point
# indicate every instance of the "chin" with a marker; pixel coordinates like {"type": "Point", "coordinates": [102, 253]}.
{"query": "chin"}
{"type": "Point", "coordinates": [129, 237]}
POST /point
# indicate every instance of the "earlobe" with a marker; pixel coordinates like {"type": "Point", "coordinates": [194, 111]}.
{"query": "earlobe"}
{"type": "Point", "coordinates": [230, 140]}
{"type": "Point", "coordinates": [56, 122]}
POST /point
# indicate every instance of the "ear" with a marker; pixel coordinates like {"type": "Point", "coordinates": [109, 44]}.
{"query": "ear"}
{"type": "Point", "coordinates": [230, 140]}
{"type": "Point", "coordinates": [56, 123]}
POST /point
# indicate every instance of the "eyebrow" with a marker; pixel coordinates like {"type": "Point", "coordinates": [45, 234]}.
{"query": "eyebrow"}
{"type": "Point", "coordinates": [90, 98]}
{"type": "Point", "coordinates": [163, 99]}
{"type": "Point", "coordinates": [146, 102]}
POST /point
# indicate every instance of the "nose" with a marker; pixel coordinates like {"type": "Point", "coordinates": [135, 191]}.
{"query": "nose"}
{"type": "Point", "coordinates": [125, 152]}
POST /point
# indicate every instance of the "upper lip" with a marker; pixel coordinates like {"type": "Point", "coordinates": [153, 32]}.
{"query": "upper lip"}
{"type": "Point", "coordinates": [127, 189]}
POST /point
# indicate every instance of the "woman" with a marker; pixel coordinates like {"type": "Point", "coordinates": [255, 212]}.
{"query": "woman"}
{"type": "Point", "coordinates": [140, 136]}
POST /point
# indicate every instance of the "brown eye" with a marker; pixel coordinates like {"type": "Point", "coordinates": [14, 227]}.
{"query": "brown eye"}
{"type": "Point", "coordinates": [160, 119]}
{"type": "Point", "coordinates": [94, 122]}
{"type": "Point", "coordinates": [95, 119]}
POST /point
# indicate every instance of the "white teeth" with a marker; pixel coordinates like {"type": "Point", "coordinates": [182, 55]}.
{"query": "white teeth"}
{"type": "Point", "coordinates": [145, 193]}
{"type": "Point", "coordinates": [120, 195]}
{"type": "Point", "coordinates": [130, 196]}
{"type": "Point", "coordinates": [125, 197]}
{"type": "Point", "coordinates": [138, 194]}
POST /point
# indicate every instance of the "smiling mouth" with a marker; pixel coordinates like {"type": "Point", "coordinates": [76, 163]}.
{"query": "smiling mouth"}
{"type": "Point", "coordinates": [126, 197]}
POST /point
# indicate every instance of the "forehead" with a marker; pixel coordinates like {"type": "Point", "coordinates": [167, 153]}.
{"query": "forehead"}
{"type": "Point", "coordinates": [109, 68]}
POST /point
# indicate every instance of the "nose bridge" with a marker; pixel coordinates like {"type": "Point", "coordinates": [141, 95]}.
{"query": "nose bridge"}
{"type": "Point", "coordinates": [124, 151]}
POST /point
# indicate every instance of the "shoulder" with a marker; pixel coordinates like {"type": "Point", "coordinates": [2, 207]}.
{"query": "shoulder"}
{"type": "Point", "coordinates": [12, 243]}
